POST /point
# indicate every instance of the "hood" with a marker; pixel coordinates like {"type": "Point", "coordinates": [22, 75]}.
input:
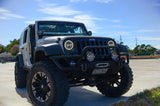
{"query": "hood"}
{"type": "Point", "coordinates": [53, 39]}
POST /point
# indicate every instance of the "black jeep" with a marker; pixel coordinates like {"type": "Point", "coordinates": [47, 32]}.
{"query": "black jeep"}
{"type": "Point", "coordinates": [57, 55]}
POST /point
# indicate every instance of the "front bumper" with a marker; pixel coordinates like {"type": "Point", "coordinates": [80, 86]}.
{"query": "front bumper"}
{"type": "Point", "coordinates": [88, 65]}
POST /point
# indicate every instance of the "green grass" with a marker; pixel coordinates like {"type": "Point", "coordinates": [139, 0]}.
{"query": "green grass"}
{"type": "Point", "coordinates": [146, 98]}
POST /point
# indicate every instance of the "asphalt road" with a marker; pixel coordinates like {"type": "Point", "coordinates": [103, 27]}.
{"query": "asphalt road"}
{"type": "Point", "coordinates": [146, 75]}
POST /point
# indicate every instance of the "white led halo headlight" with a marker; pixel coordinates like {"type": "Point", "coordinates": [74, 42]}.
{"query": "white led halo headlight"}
{"type": "Point", "coordinates": [68, 45]}
{"type": "Point", "coordinates": [111, 43]}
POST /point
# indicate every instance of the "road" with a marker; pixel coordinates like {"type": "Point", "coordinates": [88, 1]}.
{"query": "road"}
{"type": "Point", "coordinates": [146, 75]}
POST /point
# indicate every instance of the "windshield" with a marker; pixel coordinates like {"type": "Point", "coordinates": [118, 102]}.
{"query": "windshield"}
{"type": "Point", "coordinates": [61, 28]}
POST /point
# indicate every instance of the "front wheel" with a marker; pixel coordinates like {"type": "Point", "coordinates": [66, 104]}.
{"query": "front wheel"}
{"type": "Point", "coordinates": [47, 85]}
{"type": "Point", "coordinates": [119, 84]}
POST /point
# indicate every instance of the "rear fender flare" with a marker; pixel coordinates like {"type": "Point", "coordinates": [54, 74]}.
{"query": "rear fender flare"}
{"type": "Point", "coordinates": [19, 58]}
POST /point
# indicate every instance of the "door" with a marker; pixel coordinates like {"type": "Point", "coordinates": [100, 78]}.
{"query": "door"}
{"type": "Point", "coordinates": [26, 51]}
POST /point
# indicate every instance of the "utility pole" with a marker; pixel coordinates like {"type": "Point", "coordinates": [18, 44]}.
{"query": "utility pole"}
{"type": "Point", "coordinates": [121, 40]}
{"type": "Point", "coordinates": [136, 41]}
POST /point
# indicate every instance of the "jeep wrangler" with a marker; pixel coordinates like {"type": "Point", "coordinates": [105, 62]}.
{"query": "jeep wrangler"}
{"type": "Point", "coordinates": [56, 55]}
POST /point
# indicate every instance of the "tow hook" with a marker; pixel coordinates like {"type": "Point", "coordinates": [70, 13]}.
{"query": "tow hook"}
{"type": "Point", "coordinates": [102, 65]}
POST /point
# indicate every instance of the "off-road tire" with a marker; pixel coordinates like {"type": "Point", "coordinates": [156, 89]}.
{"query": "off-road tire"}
{"type": "Point", "coordinates": [58, 83]}
{"type": "Point", "coordinates": [20, 76]}
{"type": "Point", "coordinates": [126, 77]}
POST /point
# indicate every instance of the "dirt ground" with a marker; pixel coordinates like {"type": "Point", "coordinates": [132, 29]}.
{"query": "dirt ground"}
{"type": "Point", "coordinates": [146, 75]}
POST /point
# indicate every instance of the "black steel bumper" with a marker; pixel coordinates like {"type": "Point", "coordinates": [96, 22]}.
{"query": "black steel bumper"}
{"type": "Point", "coordinates": [89, 64]}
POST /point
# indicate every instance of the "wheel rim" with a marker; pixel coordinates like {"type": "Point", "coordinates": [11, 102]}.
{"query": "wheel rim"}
{"type": "Point", "coordinates": [41, 87]}
{"type": "Point", "coordinates": [116, 81]}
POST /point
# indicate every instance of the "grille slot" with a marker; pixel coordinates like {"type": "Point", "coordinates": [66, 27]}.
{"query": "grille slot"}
{"type": "Point", "coordinates": [96, 51]}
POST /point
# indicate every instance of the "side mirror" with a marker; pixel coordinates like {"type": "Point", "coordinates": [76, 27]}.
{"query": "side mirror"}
{"type": "Point", "coordinates": [40, 33]}
{"type": "Point", "coordinates": [89, 33]}
{"type": "Point", "coordinates": [30, 26]}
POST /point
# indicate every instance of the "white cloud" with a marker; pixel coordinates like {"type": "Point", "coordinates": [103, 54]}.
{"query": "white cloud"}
{"type": "Point", "coordinates": [115, 21]}
{"type": "Point", "coordinates": [147, 30]}
{"type": "Point", "coordinates": [38, 0]}
{"type": "Point", "coordinates": [43, 4]}
{"type": "Point", "coordinates": [87, 19]}
{"type": "Point", "coordinates": [149, 38]}
{"type": "Point", "coordinates": [78, 0]}
{"type": "Point", "coordinates": [29, 22]}
{"type": "Point", "coordinates": [100, 1]}
{"type": "Point", "coordinates": [66, 13]}
{"type": "Point", "coordinates": [13, 15]}
{"type": "Point", "coordinates": [112, 20]}
{"type": "Point", "coordinates": [2, 10]}
{"type": "Point", "coordinates": [119, 33]}
{"type": "Point", "coordinates": [104, 1]}
{"type": "Point", "coordinates": [59, 10]}
{"type": "Point", "coordinates": [120, 26]}
{"type": "Point", "coordinates": [157, 46]}
{"type": "Point", "coordinates": [55, 9]}
{"type": "Point", "coordinates": [6, 14]}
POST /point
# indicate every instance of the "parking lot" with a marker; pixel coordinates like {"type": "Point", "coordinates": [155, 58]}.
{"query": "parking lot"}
{"type": "Point", "coordinates": [146, 75]}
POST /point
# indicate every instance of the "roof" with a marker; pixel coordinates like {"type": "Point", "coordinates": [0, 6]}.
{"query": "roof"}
{"type": "Point", "coordinates": [58, 21]}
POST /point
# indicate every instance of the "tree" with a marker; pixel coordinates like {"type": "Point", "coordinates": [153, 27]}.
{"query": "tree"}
{"type": "Point", "coordinates": [136, 49]}
{"type": "Point", "coordinates": [129, 50]}
{"type": "Point", "coordinates": [144, 49]}
{"type": "Point", "coordinates": [15, 49]}
{"type": "Point", "coordinates": [1, 48]}
{"type": "Point", "coordinates": [9, 46]}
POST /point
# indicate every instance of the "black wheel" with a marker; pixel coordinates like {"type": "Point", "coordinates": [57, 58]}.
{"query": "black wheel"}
{"type": "Point", "coordinates": [20, 76]}
{"type": "Point", "coordinates": [120, 83]}
{"type": "Point", "coordinates": [47, 85]}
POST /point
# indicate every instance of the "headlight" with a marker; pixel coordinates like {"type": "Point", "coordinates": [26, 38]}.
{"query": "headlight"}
{"type": "Point", "coordinates": [114, 55]}
{"type": "Point", "coordinates": [68, 45]}
{"type": "Point", "coordinates": [111, 43]}
{"type": "Point", "coordinates": [90, 56]}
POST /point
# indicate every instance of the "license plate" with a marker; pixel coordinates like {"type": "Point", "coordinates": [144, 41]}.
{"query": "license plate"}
{"type": "Point", "coordinates": [99, 71]}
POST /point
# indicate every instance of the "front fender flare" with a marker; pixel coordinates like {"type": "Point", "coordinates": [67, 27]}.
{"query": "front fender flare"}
{"type": "Point", "coordinates": [50, 50]}
{"type": "Point", "coordinates": [122, 48]}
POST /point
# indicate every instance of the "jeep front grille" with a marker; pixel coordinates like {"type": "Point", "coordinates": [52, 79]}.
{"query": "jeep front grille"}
{"type": "Point", "coordinates": [96, 51]}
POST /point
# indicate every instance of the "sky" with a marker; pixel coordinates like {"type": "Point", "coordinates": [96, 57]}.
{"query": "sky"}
{"type": "Point", "coordinates": [129, 19]}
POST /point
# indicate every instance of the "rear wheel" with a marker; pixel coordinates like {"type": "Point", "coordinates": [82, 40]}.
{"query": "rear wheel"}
{"type": "Point", "coordinates": [20, 76]}
{"type": "Point", "coordinates": [47, 85]}
{"type": "Point", "coordinates": [119, 84]}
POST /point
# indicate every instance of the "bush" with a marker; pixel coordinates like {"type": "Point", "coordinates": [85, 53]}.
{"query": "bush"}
{"type": "Point", "coordinates": [15, 49]}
